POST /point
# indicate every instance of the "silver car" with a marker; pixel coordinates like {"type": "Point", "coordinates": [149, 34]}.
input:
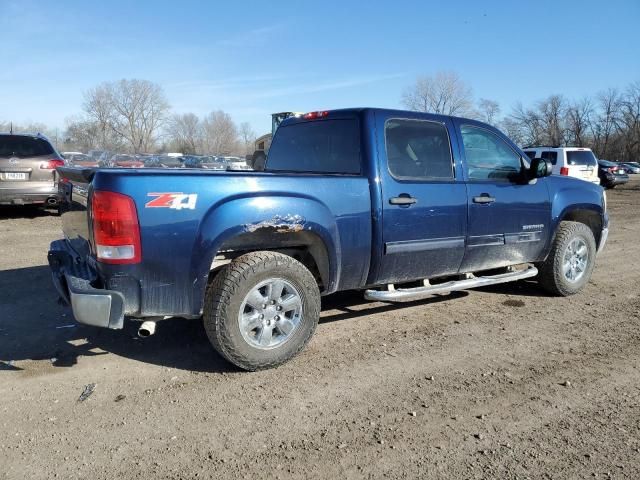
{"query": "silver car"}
{"type": "Point", "coordinates": [28, 170]}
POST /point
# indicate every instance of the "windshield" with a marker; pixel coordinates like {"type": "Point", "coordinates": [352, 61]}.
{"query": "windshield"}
{"type": "Point", "coordinates": [581, 157]}
{"type": "Point", "coordinates": [22, 147]}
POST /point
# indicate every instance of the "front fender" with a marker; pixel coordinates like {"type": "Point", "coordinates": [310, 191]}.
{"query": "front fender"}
{"type": "Point", "coordinates": [573, 197]}
{"type": "Point", "coordinates": [254, 212]}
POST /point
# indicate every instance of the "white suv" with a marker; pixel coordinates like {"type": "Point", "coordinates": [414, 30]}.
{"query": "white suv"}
{"type": "Point", "coordinates": [570, 161]}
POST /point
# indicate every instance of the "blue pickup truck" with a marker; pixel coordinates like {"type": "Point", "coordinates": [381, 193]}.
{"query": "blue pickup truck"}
{"type": "Point", "coordinates": [401, 205]}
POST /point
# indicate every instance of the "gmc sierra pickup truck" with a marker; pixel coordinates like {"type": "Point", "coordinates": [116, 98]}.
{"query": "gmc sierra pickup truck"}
{"type": "Point", "coordinates": [401, 205]}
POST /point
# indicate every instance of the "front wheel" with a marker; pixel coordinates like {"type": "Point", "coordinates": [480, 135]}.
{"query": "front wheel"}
{"type": "Point", "coordinates": [568, 267]}
{"type": "Point", "coordinates": [261, 310]}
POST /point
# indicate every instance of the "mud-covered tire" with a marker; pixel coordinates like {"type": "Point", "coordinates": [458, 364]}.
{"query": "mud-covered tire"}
{"type": "Point", "coordinates": [229, 291]}
{"type": "Point", "coordinates": [552, 274]}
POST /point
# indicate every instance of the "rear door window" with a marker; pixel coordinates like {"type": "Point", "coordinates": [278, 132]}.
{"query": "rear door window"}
{"type": "Point", "coordinates": [321, 146]}
{"type": "Point", "coordinates": [584, 158]}
{"type": "Point", "coordinates": [418, 149]}
{"type": "Point", "coordinates": [22, 146]}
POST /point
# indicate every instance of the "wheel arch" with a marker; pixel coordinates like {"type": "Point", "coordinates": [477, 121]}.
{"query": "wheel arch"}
{"type": "Point", "coordinates": [298, 226]}
{"type": "Point", "coordinates": [591, 217]}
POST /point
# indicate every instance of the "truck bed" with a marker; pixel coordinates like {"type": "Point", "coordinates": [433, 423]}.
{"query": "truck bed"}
{"type": "Point", "coordinates": [187, 216]}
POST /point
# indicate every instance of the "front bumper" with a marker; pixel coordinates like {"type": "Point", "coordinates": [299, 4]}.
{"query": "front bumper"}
{"type": "Point", "coordinates": [75, 282]}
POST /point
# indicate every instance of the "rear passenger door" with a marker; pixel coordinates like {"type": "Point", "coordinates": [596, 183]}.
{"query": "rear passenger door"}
{"type": "Point", "coordinates": [508, 217]}
{"type": "Point", "coordinates": [424, 201]}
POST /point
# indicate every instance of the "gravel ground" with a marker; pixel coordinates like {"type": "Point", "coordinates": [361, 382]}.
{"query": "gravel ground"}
{"type": "Point", "coordinates": [503, 382]}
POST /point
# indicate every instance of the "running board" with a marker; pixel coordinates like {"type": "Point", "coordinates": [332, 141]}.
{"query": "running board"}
{"type": "Point", "coordinates": [418, 293]}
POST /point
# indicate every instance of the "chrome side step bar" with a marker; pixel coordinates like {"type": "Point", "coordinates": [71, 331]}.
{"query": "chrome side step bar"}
{"type": "Point", "coordinates": [418, 293]}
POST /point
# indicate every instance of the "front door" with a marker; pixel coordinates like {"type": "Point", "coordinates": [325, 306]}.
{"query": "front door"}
{"type": "Point", "coordinates": [508, 217]}
{"type": "Point", "coordinates": [424, 209]}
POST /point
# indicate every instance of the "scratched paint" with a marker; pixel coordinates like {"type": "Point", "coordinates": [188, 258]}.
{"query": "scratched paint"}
{"type": "Point", "coordinates": [281, 224]}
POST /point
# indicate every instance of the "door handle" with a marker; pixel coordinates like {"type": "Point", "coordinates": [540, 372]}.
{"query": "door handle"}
{"type": "Point", "coordinates": [484, 198]}
{"type": "Point", "coordinates": [403, 200]}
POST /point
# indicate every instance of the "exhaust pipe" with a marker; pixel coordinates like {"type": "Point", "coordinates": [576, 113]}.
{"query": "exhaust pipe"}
{"type": "Point", "coordinates": [52, 202]}
{"type": "Point", "coordinates": [147, 329]}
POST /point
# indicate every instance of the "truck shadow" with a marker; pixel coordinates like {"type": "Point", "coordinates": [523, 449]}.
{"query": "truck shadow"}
{"type": "Point", "coordinates": [35, 326]}
{"type": "Point", "coordinates": [25, 211]}
{"type": "Point", "coordinates": [351, 304]}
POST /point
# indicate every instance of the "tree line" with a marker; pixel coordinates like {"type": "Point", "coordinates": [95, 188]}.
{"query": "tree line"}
{"type": "Point", "coordinates": [134, 116]}
{"type": "Point", "coordinates": [607, 122]}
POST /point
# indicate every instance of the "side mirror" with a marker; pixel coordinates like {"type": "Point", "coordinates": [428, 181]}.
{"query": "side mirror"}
{"type": "Point", "coordinates": [540, 168]}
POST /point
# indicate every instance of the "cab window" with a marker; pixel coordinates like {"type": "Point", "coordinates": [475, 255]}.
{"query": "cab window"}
{"type": "Point", "coordinates": [323, 146]}
{"type": "Point", "coordinates": [488, 156]}
{"type": "Point", "coordinates": [418, 150]}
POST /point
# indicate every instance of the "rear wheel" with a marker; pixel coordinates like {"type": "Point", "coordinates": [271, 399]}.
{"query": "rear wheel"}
{"type": "Point", "coordinates": [261, 310]}
{"type": "Point", "coordinates": [568, 267]}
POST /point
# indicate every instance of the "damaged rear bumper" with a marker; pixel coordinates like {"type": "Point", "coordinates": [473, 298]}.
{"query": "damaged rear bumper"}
{"type": "Point", "coordinates": [74, 282]}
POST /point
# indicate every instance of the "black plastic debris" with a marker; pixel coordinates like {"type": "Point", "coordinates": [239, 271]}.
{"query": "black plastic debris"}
{"type": "Point", "coordinates": [88, 390]}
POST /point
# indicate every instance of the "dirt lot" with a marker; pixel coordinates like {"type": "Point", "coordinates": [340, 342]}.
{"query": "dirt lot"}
{"type": "Point", "coordinates": [497, 383]}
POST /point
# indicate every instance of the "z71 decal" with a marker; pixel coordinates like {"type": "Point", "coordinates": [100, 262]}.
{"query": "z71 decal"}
{"type": "Point", "coordinates": [174, 200]}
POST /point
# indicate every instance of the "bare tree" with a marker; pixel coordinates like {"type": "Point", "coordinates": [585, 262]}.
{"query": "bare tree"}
{"type": "Point", "coordinates": [528, 124]}
{"type": "Point", "coordinates": [133, 109]}
{"type": "Point", "coordinates": [97, 107]}
{"type": "Point", "coordinates": [445, 93]}
{"type": "Point", "coordinates": [578, 121]}
{"type": "Point", "coordinates": [247, 137]}
{"type": "Point", "coordinates": [185, 133]}
{"type": "Point", "coordinates": [220, 134]}
{"type": "Point", "coordinates": [81, 134]}
{"type": "Point", "coordinates": [514, 131]}
{"type": "Point", "coordinates": [629, 123]}
{"type": "Point", "coordinates": [609, 102]}
{"type": "Point", "coordinates": [488, 111]}
{"type": "Point", "coordinates": [551, 113]}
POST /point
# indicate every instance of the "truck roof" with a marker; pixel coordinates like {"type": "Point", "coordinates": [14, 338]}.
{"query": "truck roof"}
{"type": "Point", "coordinates": [356, 111]}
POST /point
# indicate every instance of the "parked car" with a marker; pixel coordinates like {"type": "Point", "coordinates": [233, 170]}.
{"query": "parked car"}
{"type": "Point", "coordinates": [234, 163]}
{"type": "Point", "coordinates": [126, 161]}
{"type": "Point", "coordinates": [568, 161]}
{"type": "Point", "coordinates": [401, 205]}
{"type": "Point", "coordinates": [611, 174]}
{"type": "Point", "coordinates": [162, 161]}
{"type": "Point", "coordinates": [631, 167]}
{"type": "Point", "coordinates": [65, 155]}
{"type": "Point", "coordinates": [28, 170]}
{"type": "Point", "coordinates": [80, 160]}
{"type": "Point", "coordinates": [97, 154]}
{"type": "Point", "coordinates": [205, 161]}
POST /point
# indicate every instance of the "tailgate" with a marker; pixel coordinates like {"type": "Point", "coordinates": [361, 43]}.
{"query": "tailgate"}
{"type": "Point", "coordinates": [74, 190]}
{"type": "Point", "coordinates": [586, 172]}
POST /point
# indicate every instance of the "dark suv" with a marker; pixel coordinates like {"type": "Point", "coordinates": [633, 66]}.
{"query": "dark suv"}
{"type": "Point", "coordinates": [28, 170]}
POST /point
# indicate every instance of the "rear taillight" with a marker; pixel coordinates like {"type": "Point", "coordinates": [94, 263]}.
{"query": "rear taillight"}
{"type": "Point", "coordinates": [564, 171]}
{"type": "Point", "coordinates": [116, 231]}
{"type": "Point", "coordinates": [51, 164]}
{"type": "Point", "coordinates": [612, 169]}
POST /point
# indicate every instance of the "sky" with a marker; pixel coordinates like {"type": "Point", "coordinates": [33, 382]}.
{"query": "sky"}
{"type": "Point", "coordinates": [254, 58]}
